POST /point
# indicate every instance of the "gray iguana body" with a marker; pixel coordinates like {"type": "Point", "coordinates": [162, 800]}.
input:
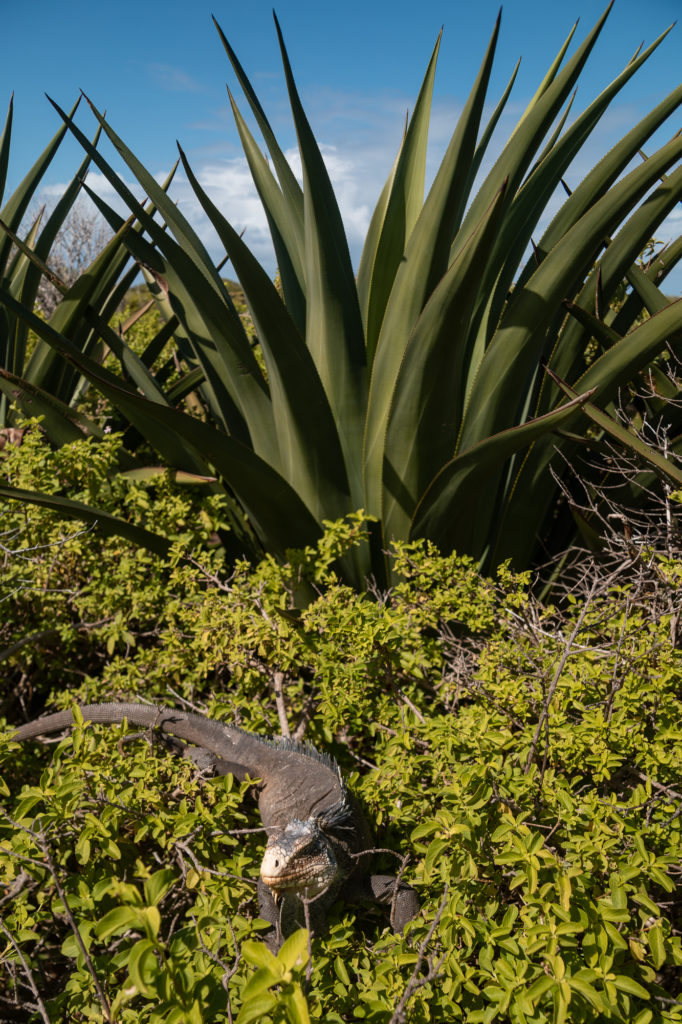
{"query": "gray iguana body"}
{"type": "Point", "coordinates": [314, 824]}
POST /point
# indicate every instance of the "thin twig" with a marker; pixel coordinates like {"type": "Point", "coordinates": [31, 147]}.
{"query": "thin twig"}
{"type": "Point", "coordinates": [42, 842]}
{"type": "Point", "coordinates": [277, 680]}
{"type": "Point", "coordinates": [27, 971]}
{"type": "Point", "coordinates": [309, 965]}
{"type": "Point", "coordinates": [668, 790]}
{"type": "Point", "coordinates": [202, 869]}
{"type": "Point", "coordinates": [228, 972]}
{"type": "Point", "coordinates": [544, 716]}
{"type": "Point", "coordinates": [415, 981]}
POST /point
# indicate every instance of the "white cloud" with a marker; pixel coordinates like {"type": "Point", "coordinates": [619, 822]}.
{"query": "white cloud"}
{"type": "Point", "coordinates": [173, 79]}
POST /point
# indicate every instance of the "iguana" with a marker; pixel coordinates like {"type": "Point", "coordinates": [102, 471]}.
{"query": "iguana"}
{"type": "Point", "coordinates": [314, 824]}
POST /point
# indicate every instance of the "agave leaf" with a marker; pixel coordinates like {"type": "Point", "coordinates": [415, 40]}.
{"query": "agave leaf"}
{"type": "Point", "coordinates": [5, 140]}
{"type": "Point", "coordinates": [287, 179]}
{"type": "Point", "coordinates": [568, 359]}
{"type": "Point", "coordinates": [428, 398]}
{"type": "Point", "coordinates": [25, 255]}
{"type": "Point", "coordinates": [14, 209]}
{"type": "Point", "coordinates": [533, 493]}
{"type": "Point", "coordinates": [368, 256]}
{"type": "Point", "coordinates": [285, 220]}
{"type": "Point", "coordinates": [553, 139]}
{"type": "Point", "coordinates": [107, 524]}
{"type": "Point", "coordinates": [486, 134]}
{"type": "Point", "coordinates": [53, 225]}
{"type": "Point", "coordinates": [666, 260]}
{"type": "Point", "coordinates": [626, 437]}
{"type": "Point", "coordinates": [130, 362]}
{"type": "Point", "coordinates": [308, 440]}
{"type": "Point", "coordinates": [13, 349]}
{"type": "Point", "coordinates": [46, 369]}
{"type": "Point", "coordinates": [510, 362]}
{"type": "Point", "coordinates": [76, 305]}
{"type": "Point", "coordinates": [604, 174]}
{"type": "Point", "coordinates": [31, 278]}
{"type": "Point", "coordinates": [278, 516]}
{"type": "Point", "coordinates": [333, 324]}
{"type": "Point", "coordinates": [193, 337]}
{"type": "Point", "coordinates": [459, 506]}
{"type": "Point", "coordinates": [209, 314]}
{"type": "Point", "coordinates": [532, 199]}
{"type": "Point", "coordinates": [184, 386]}
{"type": "Point", "coordinates": [179, 225]}
{"type": "Point", "coordinates": [517, 156]}
{"type": "Point", "coordinates": [550, 76]}
{"type": "Point", "coordinates": [620, 363]}
{"type": "Point", "coordinates": [171, 445]}
{"type": "Point", "coordinates": [147, 473]}
{"type": "Point", "coordinates": [404, 203]}
{"type": "Point", "coordinates": [651, 298]}
{"type": "Point", "coordinates": [159, 342]}
{"type": "Point", "coordinates": [425, 262]}
{"type": "Point", "coordinates": [593, 325]}
{"type": "Point", "coordinates": [60, 422]}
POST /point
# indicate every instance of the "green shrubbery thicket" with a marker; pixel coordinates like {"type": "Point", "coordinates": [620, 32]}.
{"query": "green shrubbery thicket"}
{"type": "Point", "coordinates": [525, 758]}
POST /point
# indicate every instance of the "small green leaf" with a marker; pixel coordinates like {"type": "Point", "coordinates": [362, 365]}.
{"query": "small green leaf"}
{"type": "Point", "coordinates": [657, 946]}
{"type": "Point", "coordinates": [564, 884]}
{"type": "Point", "coordinates": [263, 979]}
{"type": "Point", "coordinates": [156, 887]}
{"type": "Point", "coordinates": [295, 949]}
{"type": "Point", "coordinates": [258, 955]}
{"type": "Point", "coordinates": [433, 853]}
{"type": "Point", "coordinates": [151, 919]}
{"type": "Point", "coordinates": [257, 1008]}
{"type": "Point", "coordinates": [629, 985]}
{"type": "Point", "coordinates": [296, 1005]}
{"type": "Point", "coordinates": [143, 967]}
{"type": "Point", "coordinates": [425, 829]}
{"type": "Point", "coordinates": [120, 919]}
{"type": "Point", "coordinates": [83, 849]}
{"type": "Point", "coordinates": [70, 945]}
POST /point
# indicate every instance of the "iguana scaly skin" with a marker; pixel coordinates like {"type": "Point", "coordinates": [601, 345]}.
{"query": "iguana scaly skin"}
{"type": "Point", "coordinates": [314, 824]}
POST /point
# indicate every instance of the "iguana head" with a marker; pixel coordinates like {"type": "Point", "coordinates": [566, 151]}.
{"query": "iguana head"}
{"type": "Point", "coordinates": [300, 860]}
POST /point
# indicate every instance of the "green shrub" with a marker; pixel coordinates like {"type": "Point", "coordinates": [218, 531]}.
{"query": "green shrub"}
{"type": "Point", "coordinates": [527, 758]}
{"type": "Point", "coordinates": [72, 598]}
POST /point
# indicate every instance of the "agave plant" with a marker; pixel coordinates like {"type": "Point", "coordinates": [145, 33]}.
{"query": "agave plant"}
{"type": "Point", "coordinates": [20, 271]}
{"type": "Point", "coordinates": [434, 387]}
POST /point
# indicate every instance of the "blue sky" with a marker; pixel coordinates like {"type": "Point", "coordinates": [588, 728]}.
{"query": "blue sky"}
{"type": "Point", "coordinates": [160, 71]}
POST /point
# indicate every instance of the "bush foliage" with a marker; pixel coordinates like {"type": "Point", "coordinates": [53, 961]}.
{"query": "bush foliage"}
{"type": "Point", "coordinates": [524, 757]}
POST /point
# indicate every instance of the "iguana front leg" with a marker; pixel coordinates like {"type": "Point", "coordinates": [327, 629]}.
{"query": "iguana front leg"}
{"type": "Point", "coordinates": [389, 891]}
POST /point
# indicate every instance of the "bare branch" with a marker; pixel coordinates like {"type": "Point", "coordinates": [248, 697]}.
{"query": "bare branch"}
{"type": "Point", "coordinates": [544, 717]}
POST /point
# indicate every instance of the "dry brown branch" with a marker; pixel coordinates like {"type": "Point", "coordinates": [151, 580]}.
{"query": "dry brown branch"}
{"type": "Point", "coordinates": [277, 680]}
